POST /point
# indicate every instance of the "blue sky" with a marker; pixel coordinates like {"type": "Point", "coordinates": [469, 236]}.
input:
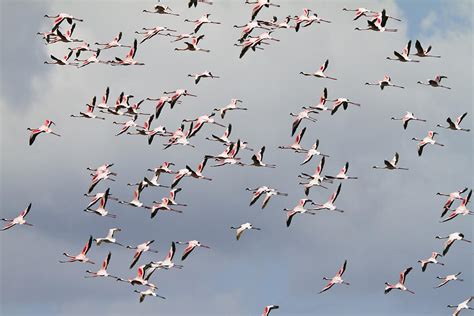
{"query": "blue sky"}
{"type": "Point", "coordinates": [391, 218]}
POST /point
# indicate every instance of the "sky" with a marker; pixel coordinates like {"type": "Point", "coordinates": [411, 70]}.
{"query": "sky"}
{"type": "Point", "coordinates": [390, 218]}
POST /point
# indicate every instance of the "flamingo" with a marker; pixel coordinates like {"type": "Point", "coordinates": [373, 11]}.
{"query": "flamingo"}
{"type": "Point", "coordinates": [432, 259]}
{"type": "Point", "coordinates": [136, 198]}
{"type": "Point", "coordinates": [148, 292]}
{"type": "Point", "coordinates": [161, 9]}
{"type": "Point", "coordinates": [164, 168]}
{"type": "Point", "coordinates": [322, 101]}
{"type": "Point", "coordinates": [461, 306]}
{"type": "Point", "coordinates": [109, 239]}
{"type": "Point", "coordinates": [129, 58]}
{"type": "Point", "coordinates": [313, 18]}
{"type": "Point", "coordinates": [89, 114]}
{"type": "Point", "coordinates": [344, 102]}
{"type": "Point", "coordinates": [191, 245]}
{"type": "Point", "coordinates": [172, 197]}
{"type": "Point", "coordinates": [301, 116]}
{"type": "Point", "coordinates": [436, 82]}
{"type": "Point", "coordinates": [301, 19]}
{"type": "Point", "coordinates": [195, 2]}
{"type": "Point", "coordinates": [105, 175]}
{"type": "Point", "coordinates": [383, 14]}
{"type": "Point", "coordinates": [161, 206]}
{"type": "Point", "coordinates": [298, 209]}
{"type": "Point", "coordinates": [141, 278]}
{"type": "Point", "coordinates": [314, 180]}
{"type": "Point", "coordinates": [192, 46]}
{"type": "Point", "coordinates": [101, 209]}
{"type": "Point", "coordinates": [377, 24]}
{"type": "Point", "coordinates": [139, 250]}
{"type": "Point", "coordinates": [65, 38]}
{"type": "Point", "coordinates": [385, 82]}
{"type": "Point", "coordinates": [102, 272]}
{"type": "Point", "coordinates": [260, 191]}
{"type": "Point", "coordinates": [82, 256]}
{"type": "Point", "coordinates": [268, 309]}
{"type": "Point", "coordinates": [259, 4]}
{"type": "Point", "coordinates": [229, 156]}
{"type": "Point", "coordinates": [96, 197]}
{"type": "Point", "coordinates": [313, 151]}
{"type": "Point", "coordinates": [337, 279]}
{"type": "Point", "coordinates": [243, 227]}
{"type": "Point", "coordinates": [452, 196]}
{"type": "Point", "coordinates": [205, 74]}
{"type": "Point", "coordinates": [230, 107]}
{"type": "Point", "coordinates": [359, 12]}
{"type": "Point", "coordinates": [201, 21]}
{"type": "Point", "coordinates": [84, 47]}
{"type": "Point", "coordinates": [257, 159]}
{"type": "Point", "coordinates": [320, 73]}
{"type": "Point", "coordinates": [409, 116]}
{"type": "Point", "coordinates": [448, 278]}
{"type": "Point", "coordinates": [401, 283]}
{"type": "Point", "coordinates": [425, 141]}
{"type": "Point", "coordinates": [329, 205]}
{"type": "Point", "coordinates": [45, 128]}
{"type": "Point", "coordinates": [296, 147]}
{"type": "Point", "coordinates": [59, 18]}
{"type": "Point", "coordinates": [451, 238]}
{"type": "Point", "coordinates": [152, 32]}
{"type": "Point", "coordinates": [91, 60]}
{"type": "Point", "coordinates": [455, 125]}
{"type": "Point", "coordinates": [154, 180]}
{"type": "Point", "coordinates": [200, 121]}
{"type": "Point", "coordinates": [248, 28]}
{"type": "Point", "coordinates": [392, 164]}
{"type": "Point", "coordinates": [61, 62]}
{"type": "Point", "coordinates": [224, 138]}
{"type": "Point", "coordinates": [113, 43]}
{"type": "Point", "coordinates": [188, 172]}
{"type": "Point", "coordinates": [342, 175]}
{"type": "Point", "coordinates": [182, 36]}
{"type": "Point", "coordinates": [461, 209]}
{"type": "Point", "coordinates": [19, 220]}
{"type": "Point", "coordinates": [167, 263]}
{"type": "Point", "coordinates": [177, 94]}
{"type": "Point", "coordinates": [420, 52]}
{"type": "Point", "coordinates": [180, 138]}
{"type": "Point", "coordinates": [405, 55]}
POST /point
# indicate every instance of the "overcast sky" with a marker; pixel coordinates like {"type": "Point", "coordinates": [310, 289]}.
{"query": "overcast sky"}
{"type": "Point", "coordinates": [390, 218]}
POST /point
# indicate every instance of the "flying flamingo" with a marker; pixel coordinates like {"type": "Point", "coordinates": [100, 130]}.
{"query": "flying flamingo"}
{"type": "Point", "coordinates": [302, 116]}
{"type": "Point", "coordinates": [320, 73]}
{"type": "Point", "coordinates": [109, 239]}
{"type": "Point", "coordinates": [192, 47]}
{"type": "Point", "coordinates": [455, 125]}
{"type": "Point", "coordinates": [89, 114]}
{"type": "Point", "coordinates": [260, 191]}
{"type": "Point", "coordinates": [337, 279]}
{"type": "Point", "coordinates": [425, 141]}
{"type": "Point", "coordinates": [296, 147]}
{"type": "Point", "coordinates": [432, 259]}
{"type": "Point", "coordinates": [359, 12]}
{"type": "Point", "coordinates": [392, 164]}
{"type": "Point", "coordinates": [385, 82]}
{"type": "Point", "coordinates": [420, 52]}
{"type": "Point", "coordinates": [113, 43]}
{"type": "Point", "coordinates": [313, 151]}
{"type": "Point", "coordinates": [461, 209]}
{"type": "Point", "coordinates": [177, 94]}
{"type": "Point", "coordinates": [167, 263]}
{"type": "Point", "coordinates": [243, 227]}
{"type": "Point", "coordinates": [195, 2]}
{"type": "Point", "coordinates": [405, 55]}
{"type": "Point", "coordinates": [148, 292]}
{"type": "Point", "coordinates": [140, 249]}
{"type": "Point", "coordinates": [436, 82]}
{"type": "Point", "coordinates": [129, 58]}
{"type": "Point", "coordinates": [401, 283]}
{"type": "Point", "coordinates": [377, 24]}
{"type": "Point", "coordinates": [259, 4]}
{"type": "Point", "coordinates": [342, 175]}
{"type": "Point", "coordinates": [257, 159]}
{"type": "Point", "coordinates": [298, 209]}
{"type": "Point", "coordinates": [329, 205]}
{"type": "Point", "coordinates": [231, 106]}
{"type": "Point", "coordinates": [452, 196]}
{"type": "Point", "coordinates": [161, 9]}
{"type": "Point", "coordinates": [161, 206]}
{"type": "Point", "coordinates": [61, 62]}
{"type": "Point", "coordinates": [201, 21]}
{"type": "Point", "coordinates": [82, 256]}
{"type": "Point", "coordinates": [344, 102]}
{"type": "Point", "coordinates": [19, 220]}
{"type": "Point", "coordinates": [191, 245]}
{"type": "Point", "coordinates": [152, 32]}
{"type": "Point", "coordinates": [448, 278]}
{"type": "Point", "coordinates": [102, 272]}
{"type": "Point", "coordinates": [268, 309]}
{"type": "Point", "coordinates": [451, 238]}
{"type": "Point", "coordinates": [172, 197]}
{"type": "Point", "coordinates": [59, 18]}
{"type": "Point", "coordinates": [409, 116]}
{"type": "Point", "coordinates": [205, 74]}
{"type": "Point", "coordinates": [322, 101]}
{"type": "Point", "coordinates": [101, 209]}
{"type": "Point", "coordinates": [461, 306]}
{"type": "Point", "coordinates": [315, 179]}
{"type": "Point", "coordinates": [45, 128]}
{"type": "Point", "coordinates": [141, 278]}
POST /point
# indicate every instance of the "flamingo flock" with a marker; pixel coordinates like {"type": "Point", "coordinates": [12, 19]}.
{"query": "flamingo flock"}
{"type": "Point", "coordinates": [128, 115]}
